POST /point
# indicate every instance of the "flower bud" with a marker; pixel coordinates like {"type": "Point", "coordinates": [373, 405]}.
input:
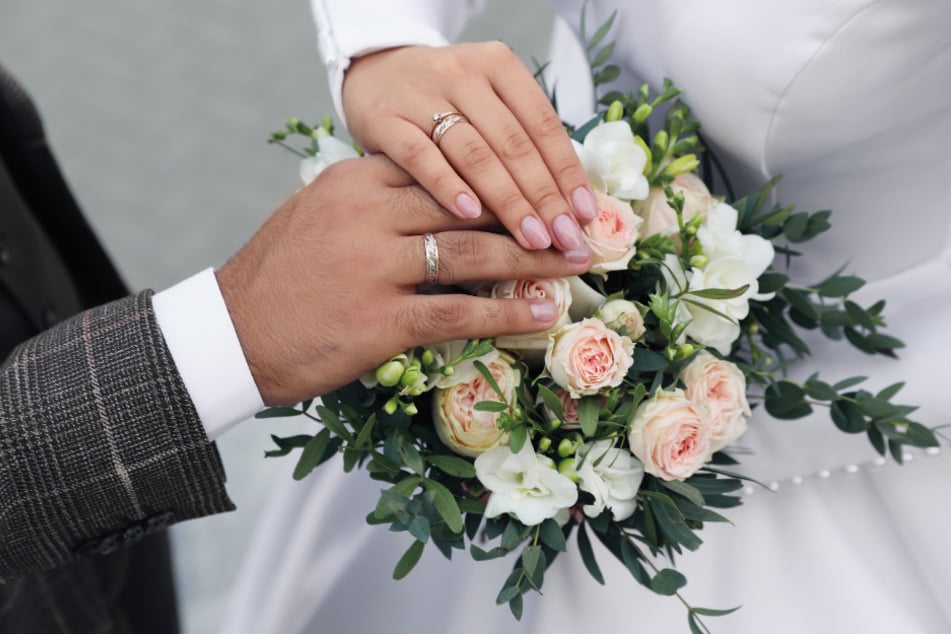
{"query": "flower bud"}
{"type": "Point", "coordinates": [684, 350]}
{"type": "Point", "coordinates": [410, 377]}
{"type": "Point", "coordinates": [567, 468]}
{"type": "Point", "coordinates": [661, 139]}
{"type": "Point", "coordinates": [615, 111]}
{"type": "Point", "coordinates": [682, 164]}
{"type": "Point", "coordinates": [647, 151]}
{"type": "Point", "coordinates": [566, 448]}
{"type": "Point", "coordinates": [391, 406]}
{"type": "Point", "coordinates": [544, 444]}
{"type": "Point", "coordinates": [428, 357]}
{"type": "Point", "coordinates": [699, 261]}
{"type": "Point", "coordinates": [390, 373]}
{"type": "Point", "coordinates": [643, 111]}
{"type": "Point", "coordinates": [410, 409]}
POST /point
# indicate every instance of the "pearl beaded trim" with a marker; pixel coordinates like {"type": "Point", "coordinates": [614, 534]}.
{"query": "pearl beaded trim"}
{"type": "Point", "coordinates": [875, 465]}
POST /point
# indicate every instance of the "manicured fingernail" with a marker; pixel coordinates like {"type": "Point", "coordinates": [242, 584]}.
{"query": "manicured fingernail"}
{"type": "Point", "coordinates": [577, 256]}
{"type": "Point", "coordinates": [567, 232]}
{"type": "Point", "coordinates": [543, 310]}
{"type": "Point", "coordinates": [467, 206]}
{"type": "Point", "coordinates": [585, 205]}
{"type": "Point", "coordinates": [535, 232]}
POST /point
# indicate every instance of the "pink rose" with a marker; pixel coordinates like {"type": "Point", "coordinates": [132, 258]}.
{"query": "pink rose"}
{"type": "Point", "coordinates": [557, 290]}
{"type": "Point", "coordinates": [464, 429]}
{"type": "Point", "coordinates": [660, 217]}
{"type": "Point", "coordinates": [721, 387]}
{"type": "Point", "coordinates": [623, 316]}
{"type": "Point", "coordinates": [587, 356]}
{"type": "Point", "coordinates": [670, 434]}
{"type": "Point", "coordinates": [611, 236]}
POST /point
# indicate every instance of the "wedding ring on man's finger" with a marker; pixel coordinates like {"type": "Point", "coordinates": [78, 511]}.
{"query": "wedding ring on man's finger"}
{"type": "Point", "coordinates": [432, 259]}
{"type": "Point", "coordinates": [442, 121]}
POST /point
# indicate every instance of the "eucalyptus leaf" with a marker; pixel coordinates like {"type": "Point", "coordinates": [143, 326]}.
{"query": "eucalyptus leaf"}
{"type": "Point", "coordinates": [668, 581]}
{"type": "Point", "coordinates": [445, 503]}
{"type": "Point", "coordinates": [552, 536]}
{"type": "Point", "coordinates": [278, 412]}
{"type": "Point", "coordinates": [312, 454]}
{"type": "Point", "coordinates": [587, 555]}
{"type": "Point", "coordinates": [453, 465]}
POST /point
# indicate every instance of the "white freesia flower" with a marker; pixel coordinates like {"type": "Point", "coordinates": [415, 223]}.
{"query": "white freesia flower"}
{"type": "Point", "coordinates": [614, 162]}
{"type": "Point", "coordinates": [734, 260]}
{"type": "Point", "coordinates": [612, 476]}
{"type": "Point", "coordinates": [524, 485]}
{"type": "Point", "coordinates": [331, 151]}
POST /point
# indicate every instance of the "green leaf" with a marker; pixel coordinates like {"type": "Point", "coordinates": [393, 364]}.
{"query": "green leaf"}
{"type": "Point", "coordinates": [589, 409]}
{"type": "Point", "coordinates": [631, 560]}
{"type": "Point", "coordinates": [646, 360]}
{"type": "Point", "coordinates": [714, 612]}
{"type": "Point", "coordinates": [820, 391]}
{"type": "Point", "coordinates": [485, 555]}
{"type": "Point", "coordinates": [404, 488]}
{"type": "Point", "coordinates": [684, 489]}
{"type": "Point", "coordinates": [847, 417]}
{"type": "Point", "coordinates": [445, 503]}
{"type": "Point", "coordinates": [601, 32]}
{"type": "Point", "coordinates": [800, 301]}
{"type": "Point", "coordinates": [453, 465]}
{"type": "Point", "coordinates": [850, 382]}
{"type": "Point", "coordinates": [795, 226]}
{"type": "Point", "coordinates": [587, 555]}
{"type": "Point", "coordinates": [603, 55]}
{"type": "Point", "coordinates": [876, 438]}
{"type": "Point", "coordinates": [859, 316]}
{"type": "Point", "coordinates": [667, 582]}
{"type": "Point", "coordinates": [552, 536]}
{"type": "Point", "coordinates": [410, 456]}
{"type": "Point", "coordinates": [286, 444]}
{"type": "Point", "coordinates": [840, 286]}
{"type": "Point", "coordinates": [517, 438]}
{"type": "Point", "coordinates": [552, 401]}
{"type": "Point", "coordinates": [719, 293]}
{"type": "Point", "coordinates": [771, 282]}
{"type": "Point", "coordinates": [409, 560]}
{"type": "Point", "coordinates": [366, 433]}
{"type": "Point", "coordinates": [419, 528]}
{"type": "Point", "coordinates": [278, 412]}
{"type": "Point", "coordinates": [507, 594]}
{"type": "Point", "coordinates": [786, 400]}
{"type": "Point", "coordinates": [332, 422]}
{"type": "Point", "coordinates": [607, 74]}
{"type": "Point", "coordinates": [484, 371]}
{"type": "Point", "coordinates": [490, 406]}
{"type": "Point", "coordinates": [890, 391]}
{"type": "Point", "coordinates": [312, 454]}
{"type": "Point", "coordinates": [533, 563]}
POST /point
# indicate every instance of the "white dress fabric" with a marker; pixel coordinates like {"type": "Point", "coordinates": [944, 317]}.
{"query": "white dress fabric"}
{"type": "Point", "coordinates": [851, 102]}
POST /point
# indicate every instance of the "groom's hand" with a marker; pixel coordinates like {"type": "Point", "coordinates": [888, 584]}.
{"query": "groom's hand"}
{"type": "Point", "coordinates": [327, 289]}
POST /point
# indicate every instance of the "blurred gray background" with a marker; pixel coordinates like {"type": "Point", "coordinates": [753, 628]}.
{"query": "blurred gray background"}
{"type": "Point", "coordinates": [159, 113]}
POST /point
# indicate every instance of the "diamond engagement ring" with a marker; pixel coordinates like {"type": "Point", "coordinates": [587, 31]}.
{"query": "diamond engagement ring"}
{"type": "Point", "coordinates": [432, 259]}
{"type": "Point", "coordinates": [442, 122]}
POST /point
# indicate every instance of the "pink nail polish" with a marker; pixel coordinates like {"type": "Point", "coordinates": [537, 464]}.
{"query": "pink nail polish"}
{"type": "Point", "coordinates": [567, 232]}
{"type": "Point", "coordinates": [585, 205]}
{"type": "Point", "coordinates": [543, 310]}
{"type": "Point", "coordinates": [535, 232]}
{"type": "Point", "coordinates": [467, 206]}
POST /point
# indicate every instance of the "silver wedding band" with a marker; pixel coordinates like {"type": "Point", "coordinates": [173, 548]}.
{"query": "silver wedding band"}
{"type": "Point", "coordinates": [442, 121]}
{"type": "Point", "coordinates": [432, 259]}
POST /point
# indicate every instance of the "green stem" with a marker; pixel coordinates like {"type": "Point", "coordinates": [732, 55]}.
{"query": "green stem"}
{"type": "Point", "coordinates": [290, 149]}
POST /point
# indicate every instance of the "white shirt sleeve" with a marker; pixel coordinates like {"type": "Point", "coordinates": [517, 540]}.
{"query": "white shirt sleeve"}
{"type": "Point", "coordinates": [200, 335]}
{"type": "Point", "coordinates": [348, 29]}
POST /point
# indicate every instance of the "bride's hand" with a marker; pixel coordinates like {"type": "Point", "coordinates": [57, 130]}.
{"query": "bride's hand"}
{"type": "Point", "coordinates": [512, 153]}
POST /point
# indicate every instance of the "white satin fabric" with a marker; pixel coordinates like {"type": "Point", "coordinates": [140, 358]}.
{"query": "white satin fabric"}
{"type": "Point", "coordinates": [851, 102]}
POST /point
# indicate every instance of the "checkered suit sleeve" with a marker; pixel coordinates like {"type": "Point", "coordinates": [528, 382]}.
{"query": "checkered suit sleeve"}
{"type": "Point", "coordinates": [99, 441]}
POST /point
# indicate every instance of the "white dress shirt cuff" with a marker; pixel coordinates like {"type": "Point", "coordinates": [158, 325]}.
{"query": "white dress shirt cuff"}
{"type": "Point", "coordinates": [198, 330]}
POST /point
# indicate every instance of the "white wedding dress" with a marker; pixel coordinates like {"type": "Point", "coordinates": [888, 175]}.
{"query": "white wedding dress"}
{"type": "Point", "coordinates": [851, 102]}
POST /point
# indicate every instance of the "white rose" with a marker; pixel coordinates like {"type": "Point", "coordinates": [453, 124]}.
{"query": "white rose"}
{"type": "Point", "coordinates": [614, 162]}
{"type": "Point", "coordinates": [331, 151]}
{"type": "Point", "coordinates": [612, 476]}
{"type": "Point", "coordinates": [587, 356]}
{"type": "Point", "coordinates": [524, 485]}
{"type": "Point", "coordinates": [721, 388]}
{"type": "Point", "coordinates": [622, 316]}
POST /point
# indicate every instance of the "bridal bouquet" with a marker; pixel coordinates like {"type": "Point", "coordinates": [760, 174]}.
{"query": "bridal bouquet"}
{"type": "Point", "coordinates": [617, 423]}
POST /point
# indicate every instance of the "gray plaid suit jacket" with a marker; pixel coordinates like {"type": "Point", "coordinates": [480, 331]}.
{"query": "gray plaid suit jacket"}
{"type": "Point", "coordinates": [100, 445]}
